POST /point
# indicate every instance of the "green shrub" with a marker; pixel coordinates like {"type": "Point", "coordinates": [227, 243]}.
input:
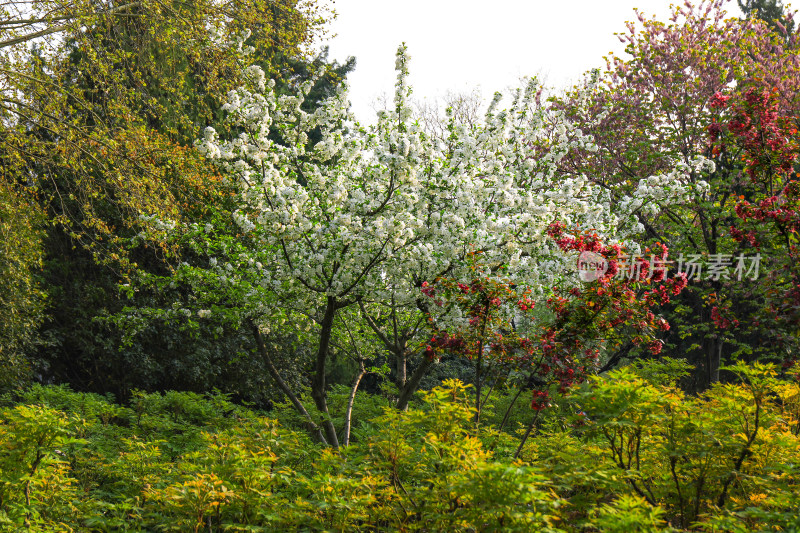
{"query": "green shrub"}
{"type": "Point", "coordinates": [622, 453]}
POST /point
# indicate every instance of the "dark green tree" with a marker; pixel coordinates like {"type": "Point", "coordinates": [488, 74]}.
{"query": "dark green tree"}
{"type": "Point", "coordinates": [772, 12]}
{"type": "Point", "coordinates": [102, 120]}
{"type": "Point", "coordinates": [21, 296]}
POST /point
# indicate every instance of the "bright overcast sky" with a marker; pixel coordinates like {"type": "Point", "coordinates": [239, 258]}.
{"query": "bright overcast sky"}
{"type": "Point", "coordinates": [460, 45]}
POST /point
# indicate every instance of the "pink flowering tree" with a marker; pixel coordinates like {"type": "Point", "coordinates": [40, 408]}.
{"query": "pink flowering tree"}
{"type": "Point", "coordinates": [656, 108]}
{"type": "Point", "coordinates": [767, 211]}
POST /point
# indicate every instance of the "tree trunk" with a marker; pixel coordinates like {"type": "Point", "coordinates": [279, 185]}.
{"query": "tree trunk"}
{"type": "Point", "coordinates": [713, 358]}
{"type": "Point", "coordinates": [276, 376]}
{"type": "Point", "coordinates": [401, 358]}
{"type": "Point", "coordinates": [478, 384]}
{"type": "Point", "coordinates": [318, 381]}
{"type": "Point", "coordinates": [508, 411]}
{"type": "Point", "coordinates": [479, 368]}
{"type": "Point", "coordinates": [349, 412]}
{"type": "Point", "coordinates": [413, 382]}
{"type": "Point", "coordinates": [527, 434]}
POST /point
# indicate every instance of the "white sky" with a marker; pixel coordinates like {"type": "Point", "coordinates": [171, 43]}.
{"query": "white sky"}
{"type": "Point", "coordinates": [462, 45]}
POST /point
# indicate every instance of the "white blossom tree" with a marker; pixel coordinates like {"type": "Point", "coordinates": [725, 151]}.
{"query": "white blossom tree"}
{"type": "Point", "coordinates": [369, 213]}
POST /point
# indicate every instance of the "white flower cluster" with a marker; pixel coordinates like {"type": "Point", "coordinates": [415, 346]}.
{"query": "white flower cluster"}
{"type": "Point", "coordinates": [238, 43]}
{"type": "Point", "coordinates": [370, 210]}
{"type": "Point", "coordinates": [156, 223]}
{"type": "Point", "coordinates": [681, 185]}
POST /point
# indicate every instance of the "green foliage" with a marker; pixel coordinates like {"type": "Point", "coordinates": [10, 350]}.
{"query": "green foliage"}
{"type": "Point", "coordinates": [36, 485]}
{"type": "Point", "coordinates": [21, 296]}
{"type": "Point", "coordinates": [667, 371]}
{"type": "Point", "coordinates": [772, 12]}
{"type": "Point", "coordinates": [622, 453]}
{"type": "Point", "coordinates": [629, 514]}
{"type": "Point", "coordinates": [182, 462]}
{"type": "Point", "coordinates": [697, 459]}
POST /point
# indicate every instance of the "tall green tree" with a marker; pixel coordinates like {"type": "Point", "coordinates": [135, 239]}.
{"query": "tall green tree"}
{"type": "Point", "coordinates": [101, 106]}
{"type": "Point", "coordinates": [21, 296]}
{"type": "Point", "coordinates": [772, 12]}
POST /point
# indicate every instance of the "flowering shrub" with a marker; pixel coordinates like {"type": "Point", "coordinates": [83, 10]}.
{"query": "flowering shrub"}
{"type": "Point", "coordinates": [558, 342]}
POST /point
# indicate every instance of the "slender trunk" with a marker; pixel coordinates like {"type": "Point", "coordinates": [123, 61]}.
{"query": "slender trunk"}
{"type": "Point", "coordinates": [714, 350]}
{"type": "Point", "coordinates": [508, 411]}
{"type": "Point", "coordinates": [491, 387]}
{"type": "Point", "coordinates": [34, 466]}
{"type": "Point", "coordinates": [479, 368]}
{"type": "Point", "coordinates": [349, 412]}
{"type": "Point", "coordinates": [713, 357]}
{"type": "Point", "coordinates": [478, 384]}
{"type": "Point", "coordinates": [318, 381]}
{"type": "Point", "coordinates": [744, 454]}
{"type": "Point", "coordinates": [527, 434]}
{"type": "Point", "coordinates": [412, 383]}
{"type": "Point", "coordinates": [396, 345]}
{"type": "Point", "coordinates": [276, 376]}
{"type": "Point", "coordinates": [401, 358]}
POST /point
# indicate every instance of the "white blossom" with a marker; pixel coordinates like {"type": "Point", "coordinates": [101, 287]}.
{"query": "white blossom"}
{"type": "Point", "coordinates": [368, 210]}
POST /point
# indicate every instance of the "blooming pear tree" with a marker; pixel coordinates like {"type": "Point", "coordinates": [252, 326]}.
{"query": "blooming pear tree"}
{"type": "Point", "coordinates": [368, 214]}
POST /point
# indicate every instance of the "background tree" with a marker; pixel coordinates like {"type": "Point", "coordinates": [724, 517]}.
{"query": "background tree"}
{"type": "Point", "coordinates": [100, 115]}
{"type": "Point", "coordinates": [435, 115]}
{"type": "Point", "coordinates": [652, 111]}
{"type": "Point", "coordinates": [767, 220]}
{"type": "Point", "coordinates": [772, 12]}
{"type": "Point", "coordinates": [21, 296]}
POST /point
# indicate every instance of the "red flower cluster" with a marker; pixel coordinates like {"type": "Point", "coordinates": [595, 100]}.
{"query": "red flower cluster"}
{"type": "Point", "coordinates": [770, 209]}
{"type": "Point", "coordinates": [582, 243]}
{"type": "Point", "coordinates": [443, 342]}
{"type": "Point", "coordinates": [525, 304]}
{"type": "Point", "coordinates": [719, 100]}
{"type": "Point", "coordinates": [563, 351]}
{"type": "Point", "coordinates": [765, 136]}
{"type": "Point", "coordinates": [739, 235]}
{"type": "Point", "coordinates": [655, 347]}
{"type": "Point", "coordinates": [541, 399]}
{"type": "Point", "coordinates": [720, 320]}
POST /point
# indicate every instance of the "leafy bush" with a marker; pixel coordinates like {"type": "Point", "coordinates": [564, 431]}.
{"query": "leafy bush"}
{"type": "Point", "coordinates": [700, 460]}
{"type": "Point", "coordinates": [625, 452]}
{"type": "Point", "coordinates": [183, 462]}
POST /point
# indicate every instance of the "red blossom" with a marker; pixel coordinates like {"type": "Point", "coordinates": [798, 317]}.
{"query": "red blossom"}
{"type": "Point", "coordinates": [719, 100]}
